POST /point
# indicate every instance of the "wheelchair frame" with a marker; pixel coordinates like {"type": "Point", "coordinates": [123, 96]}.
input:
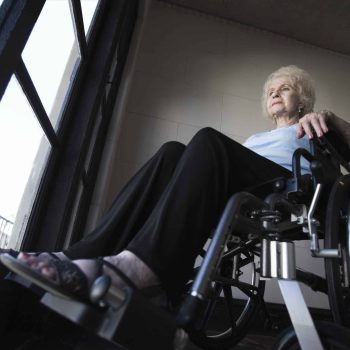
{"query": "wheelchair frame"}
{"type": "Point", "coordinates": [277, 251]}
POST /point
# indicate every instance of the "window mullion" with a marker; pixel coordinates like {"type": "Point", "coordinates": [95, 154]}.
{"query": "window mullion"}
{"type": "Point", "coordinates": [78, 23]}
{"type": "Point", "coordinates": [15, 29]}
{"type": "Point", "coordinates": [29, 90]}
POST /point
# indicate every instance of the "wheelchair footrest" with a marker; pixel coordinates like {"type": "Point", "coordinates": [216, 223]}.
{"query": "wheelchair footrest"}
{"type": "Point", "coordinates": [135, 324]}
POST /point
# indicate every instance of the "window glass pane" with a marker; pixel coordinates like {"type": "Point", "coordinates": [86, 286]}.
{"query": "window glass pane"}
{"type": "Point", "coordinates": [23, 153]}
{"type": "Point", "coordinates": [51, 55]}
{"type": "Point", "coordinates": [88, 8]}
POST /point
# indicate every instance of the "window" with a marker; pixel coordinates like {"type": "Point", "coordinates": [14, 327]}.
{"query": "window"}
{"type": "Point", "coordinates": [89, 8]}
{"type": "Point", "coordinates": [51, 54]}
{"type": "Point", "coordinates": [51, 114]}
{"type": "Point", "coordinates": [22, 163]}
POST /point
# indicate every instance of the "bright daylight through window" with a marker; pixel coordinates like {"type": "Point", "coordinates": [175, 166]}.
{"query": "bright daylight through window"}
{"type": "Point", "coordinates": [51, 56]}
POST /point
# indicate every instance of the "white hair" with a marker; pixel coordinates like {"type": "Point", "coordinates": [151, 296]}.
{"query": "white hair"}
{"type": "Point", "coordinates": [300, 80]}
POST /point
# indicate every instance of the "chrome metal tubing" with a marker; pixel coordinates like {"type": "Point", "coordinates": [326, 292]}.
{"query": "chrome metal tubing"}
{"type": "Point", "coordinates": [278, 259]}
{"type": "Point", "coordinates": [310, 216]}
{"type": "Point", "coordinates": [312, 226]}
{"type": "Point", "coordinates": [300, 316]}
{"type": "Point", "coordinates": [287, 266]}
{"type": "Point", "coordinates": [265, 260]}
{"type": "Point", "coordinates": [230, 220]}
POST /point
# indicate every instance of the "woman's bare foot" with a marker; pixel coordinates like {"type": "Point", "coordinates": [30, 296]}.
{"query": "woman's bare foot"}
{"type": "Point", "coordinates": [44, 256]}
{"type": "Point", "coordinates": [134, 268]}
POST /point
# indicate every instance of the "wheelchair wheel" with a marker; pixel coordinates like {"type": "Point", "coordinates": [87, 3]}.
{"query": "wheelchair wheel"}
{"type": "Point", "coordinates": [333, 336]}
{"type": "Point", "coordinates": [337, 234]}
{"type": "Point", "coordinates": [223, 323]}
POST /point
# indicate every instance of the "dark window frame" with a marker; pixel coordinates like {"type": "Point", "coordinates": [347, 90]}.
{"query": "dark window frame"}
{"type": "Point", "coordinates": [65, 170]}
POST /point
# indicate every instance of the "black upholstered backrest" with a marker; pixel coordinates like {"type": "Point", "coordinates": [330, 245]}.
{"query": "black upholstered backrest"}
{"type": "Point", "coordinates": [330, 153]}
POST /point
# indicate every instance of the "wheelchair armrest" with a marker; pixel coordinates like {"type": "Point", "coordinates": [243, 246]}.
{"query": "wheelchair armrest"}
{"type": "Point", "coordinates": [296, 164]}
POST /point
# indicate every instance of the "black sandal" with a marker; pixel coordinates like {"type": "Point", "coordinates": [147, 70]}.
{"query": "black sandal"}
{"type": "Point", "coordinates": [10, 251]}
{"type": "Point", "coordinates": [70, 280]}
{"type": "Point", "coordinates": [117, 271]}
{"type": "Point", "coordinates": [15, 253]}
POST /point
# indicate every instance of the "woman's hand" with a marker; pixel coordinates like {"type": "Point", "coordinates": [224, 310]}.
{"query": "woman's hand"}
{"type": "Point", "coordinates": [314, 122]}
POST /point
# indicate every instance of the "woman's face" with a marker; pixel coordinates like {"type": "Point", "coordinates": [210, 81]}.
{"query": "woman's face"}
{"type": "Point", "coordinates": [282, 99]}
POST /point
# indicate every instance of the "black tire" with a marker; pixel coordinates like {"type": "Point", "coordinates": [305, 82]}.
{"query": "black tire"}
{"type": "Point", "coordinates": [213, 330]}
{"type": "Point", "coordinates": [337, 234]}
{"type": "Point", "coordinates": [333, 336]}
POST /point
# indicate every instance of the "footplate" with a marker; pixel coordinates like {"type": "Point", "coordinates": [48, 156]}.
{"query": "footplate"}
{"type": "Point", "coordinates": [135, 324]}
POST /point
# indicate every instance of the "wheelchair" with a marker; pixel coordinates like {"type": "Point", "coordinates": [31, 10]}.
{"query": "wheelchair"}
{"type": "Point", "coordinates": [255, 236]}
{"type": "Point", "coordinates": [257, 232]}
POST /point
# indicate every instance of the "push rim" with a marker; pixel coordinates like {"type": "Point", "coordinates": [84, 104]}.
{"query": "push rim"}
{"type": "Point", "coordinates": [337, 235]}
{"type": "Point", "coordinates": [232, 277]}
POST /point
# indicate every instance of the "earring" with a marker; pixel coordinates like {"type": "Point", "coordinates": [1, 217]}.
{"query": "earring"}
{"type": "Point", "coordinates": [300, 110]}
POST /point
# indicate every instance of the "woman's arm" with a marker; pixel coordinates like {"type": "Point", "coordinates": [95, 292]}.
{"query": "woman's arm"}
{"type": "Point", "coordinates": [320, 122]}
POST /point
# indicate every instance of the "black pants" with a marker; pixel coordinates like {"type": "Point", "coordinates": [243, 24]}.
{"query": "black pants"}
{"type": "Point", "coordinates": [168, 209]}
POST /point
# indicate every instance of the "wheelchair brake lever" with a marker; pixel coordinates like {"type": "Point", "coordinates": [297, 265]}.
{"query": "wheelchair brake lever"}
{"type": "Point", "coordinates": [315, 249]}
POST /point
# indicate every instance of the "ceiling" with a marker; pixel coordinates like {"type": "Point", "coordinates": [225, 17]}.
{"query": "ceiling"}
{"type": "Point", "coordinates": [323, 23]}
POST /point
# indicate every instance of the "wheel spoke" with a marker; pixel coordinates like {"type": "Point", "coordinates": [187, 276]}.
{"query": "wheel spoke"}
{"type": "Point", "coordinates": [221, 333]}
{"type": "Point", "coordinates": [246, 288]}
{"type": "Point", "coordinates": [229, 301]}
{"type": "Point", "coordinates": [211, 306]}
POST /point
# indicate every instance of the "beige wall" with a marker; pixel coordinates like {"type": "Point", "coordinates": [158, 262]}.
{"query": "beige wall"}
{"type": "Point", "coordinates": [195, 70]}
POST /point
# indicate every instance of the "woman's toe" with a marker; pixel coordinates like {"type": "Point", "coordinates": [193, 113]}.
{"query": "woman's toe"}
{"type": "Point", "coordinates": [39, 265]}
{"type": "Point", "coordinates": [23, 256]}
{"type": "Point", "coordinates": [48, 272]}
{"type": "Point", "coordinates": [34, 262]}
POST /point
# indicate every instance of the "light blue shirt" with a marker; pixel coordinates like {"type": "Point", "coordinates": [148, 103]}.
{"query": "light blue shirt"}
{"type": "Point", "coordinates": [279, 145]}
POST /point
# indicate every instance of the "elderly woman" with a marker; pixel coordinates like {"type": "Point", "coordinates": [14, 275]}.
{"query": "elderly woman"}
{"type": "Point", "coordinates": [162, 218]}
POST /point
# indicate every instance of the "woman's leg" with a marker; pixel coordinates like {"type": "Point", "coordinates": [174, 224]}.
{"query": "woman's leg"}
{"type": "Point", "coordinates": [131, 207]}
{"type": "Point", "coordinates": [212, 168]}
{"type": "Point", "coordinates": [127, 214]}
